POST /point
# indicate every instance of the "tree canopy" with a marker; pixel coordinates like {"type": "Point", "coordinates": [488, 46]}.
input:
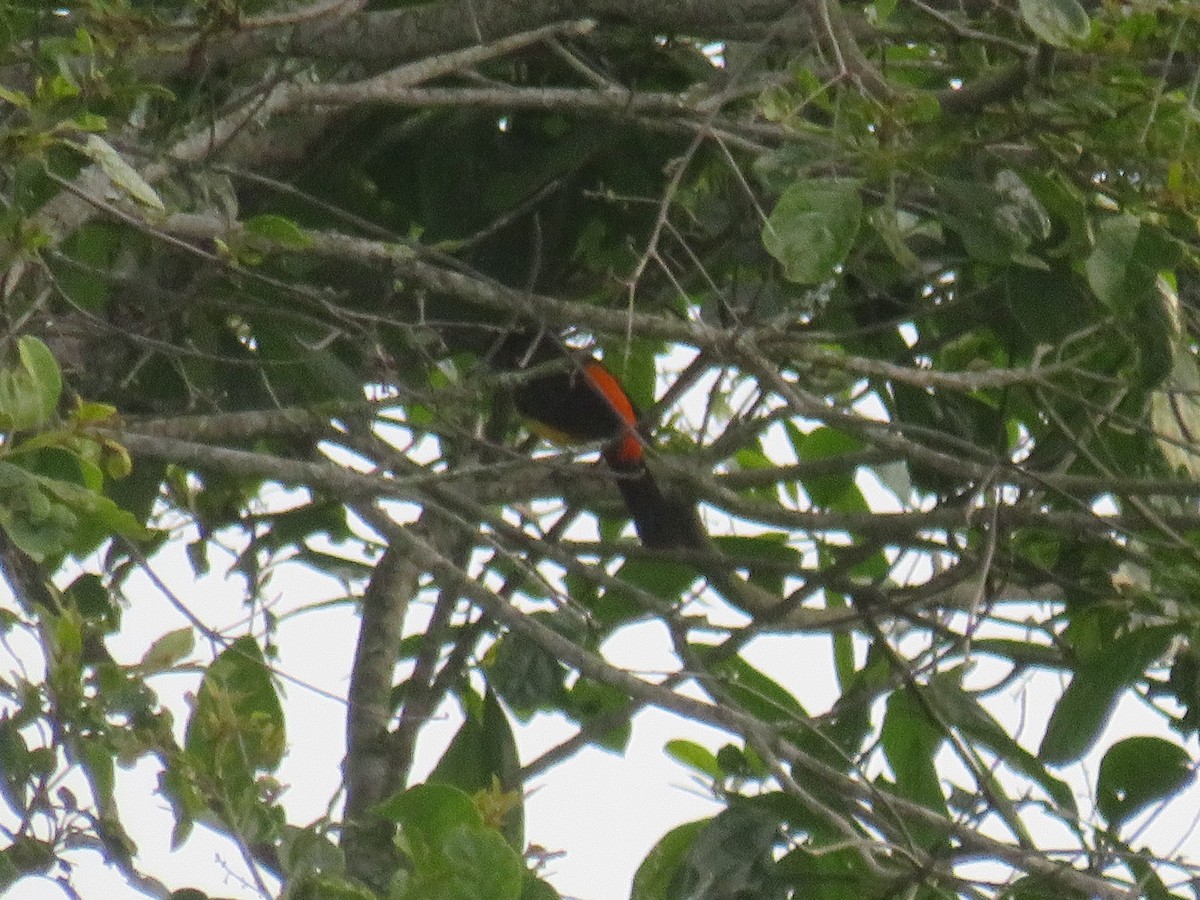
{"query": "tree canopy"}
{"type": "Point", "coordinates": [906, 293]}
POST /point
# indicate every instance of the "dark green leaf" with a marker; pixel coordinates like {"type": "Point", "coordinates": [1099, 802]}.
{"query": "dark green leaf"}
{"type": "Point", "coordinates": [829, 874]}
{"type": "Point", "coordinates": [664, 580]}
{"type": "Point", "coordinates": [733, 855]}
{"type": "Point", "coordinates": [482, 756]}
{"type": "Point", "coordinates": [758, 694]}
{"type": "Point", "coordinates": [588, 699]}
{"type": "Point", "coordinates": [766, 558]}
{"type": "Point", "coordinates": [742, 764]}
{"type": "Point", "coordinates": [911, 742]}
{"type": "Point", "coordinates": [970, 718]}
{"type": "Point", "coordinates": [1184, 682]}
{"type": "Point", "coordinates": [28, 856]}
{"type": "Point", "coordinates": [16, 766]}
{"type": "Point", "coordinates": [661, 866]}
{"type": "Point", "coordinates": [525, 675]}
{"type": "Point", "coordinates": [536, 889]}
{"type": "Point", "coordinates": [1085, 706]}
{"type": "Point", "coordinates": [1137, 772]}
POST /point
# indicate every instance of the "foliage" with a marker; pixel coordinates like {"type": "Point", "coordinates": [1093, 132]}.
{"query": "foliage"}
{"type": "Point", "coordinates": [915, 284]}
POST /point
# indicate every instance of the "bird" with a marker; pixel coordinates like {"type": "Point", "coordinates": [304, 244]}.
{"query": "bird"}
{"type": "Point", "coordinates": [581, 401]}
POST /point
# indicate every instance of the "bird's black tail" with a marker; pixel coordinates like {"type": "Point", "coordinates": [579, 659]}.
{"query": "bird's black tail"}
{"type": "Point", "coordinates": [662, 522]}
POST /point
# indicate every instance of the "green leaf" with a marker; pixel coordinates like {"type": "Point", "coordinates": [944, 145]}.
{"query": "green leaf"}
{"type": "Point", "coordinates": [120, 173]}
{"type": "Point", "coordinates": [88, 121]}
{"type": "Point", "coordinates": [237, 726]}
{"type": "Point", "coordinates": [18, 99]}
{"type": "Point", "coordinates": [1039, 887]}
{"type": "Point", "coordinates": [29, 392]}
{"type": "Point", "coordinates": [1150, 884]}
{"type": "Point", "coordinates": [743, 764]}
{"type": "Point", "coordinates": [837, 490]}
{"type": "Point", "coordinates": [320, 886]}
{"type": "Point", "coordinates": [536, 889]}
{"type": "Point", "coordinates": [911, 742]}
{"type": "Point", "coordinates": [1123, 267]}
{"type": "Point", "coordinates": [482, 756]}
{"type": "Point", "coordinates": [1067, 206]}
{"type": "Point", "coordinates": [429, 812]}
{"type": "Point", "coordinates": [1138, 772]}
{"type": "Point", "coordinates": [764, 557]}
{"type": "Point", "coordinates": [524, 674]}
{"type": "Point", "coordinates": [588, 700]}
{"type": "Point", "coordinates": [1175, 415]}
{"type": "Point", "coordinates": [180, 785]}
{"type": "Point", "coordinates": [1058, 22]}
{"type": "Point", "coordinates": [16, 766]}
{"type": "Point", "coordinates": [99, 764]}
{"type": "Point", "coordinates": [813, 227]}
{"type": "Point", "coordinates": [1023, 653]}
{"type": "Point", "coordinates": [758, 694]}
{"type": "Point", "coordinates": [843, 646]}
{"type": "Point", "coordinates": [1184, 682]}
{"type": "Point", "coordinates": [28, 856]}
{"type": "Point", "coordinates": [278, 230]}
{"type": "Point", "coordinates": [169, 649]}
{"type": "Point", "coordinates": [971, 211]}
{"type": "Point", "coordinates": [91, 250]}
{"type": "Point", "coordinates": [472, 863]}
{"type": "Point", "coordinates": [973, 720]}
{"type": "Point", "coordinates": [47, 517]}
{"type": "Point", "coordinates": [1084, 708]}
{"type": "Point", "coordinates": [658, 870]}
{"type": "Point", "coordinates": [662, 579]}
{"type": "Point", "coordinates": [733, 855]}
{"type": "Point", "coordinates": [455, 856]}
{"type": "Point", "coordinates": [1019, 210]}
{"type": "Point", "coordinates": [309, 850]}
{"type": "Point", "coordinates": [695, 757]}
{"type": "Point", "coordinates": [827, 874]}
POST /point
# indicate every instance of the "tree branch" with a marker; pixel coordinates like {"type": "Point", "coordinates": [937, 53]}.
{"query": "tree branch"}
{"type": "Point", "coordinates": [868, 797]}
{"type": "Point", "coordinates": [368, 842]}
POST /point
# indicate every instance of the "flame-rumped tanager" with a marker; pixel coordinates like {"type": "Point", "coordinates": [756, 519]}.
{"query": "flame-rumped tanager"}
{"type": "Point", "coordinates": [579, 401]}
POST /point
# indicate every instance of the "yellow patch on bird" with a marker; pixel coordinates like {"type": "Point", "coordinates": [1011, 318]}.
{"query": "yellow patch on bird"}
{"type": "Point", "coordinates": [553, 435]}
